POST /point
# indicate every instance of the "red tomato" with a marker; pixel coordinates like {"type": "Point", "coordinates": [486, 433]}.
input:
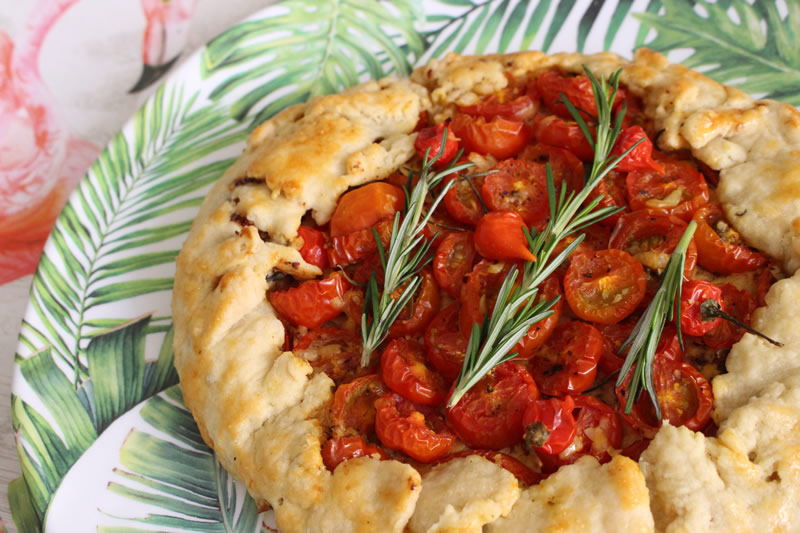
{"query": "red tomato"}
{"type": "Point", "coordinates": [453, 261]}
{"type": "Point", "coordinates": [480, 292]}
{"type": "Point", "coordinates": [515, 466]}
{"type": "Point", "coordinates": [615, 334]}
{"type": "Point", "coordinates": [431, 139]}
{"type": "Point", "coordinates": [641, 157]}
{"type": "Point", "coordinates": [337, 352]}
{"type": "Point", "coordinates": [313, 249]}
{"type": "Point", "coordinates": [549, 425]}
{"type": "Point", "coordinates": [615, 194]}
{"type": "Point", "coordinates": [312, 303]}
{"type": "Point", "coordinates": [719, 247]}
{"type": "Point", "coordinates": [651, 237]}
{"type": "Point", "coordinates": [500, 137]}
{"type": "Point", "coordinates": [693, 294]}
{"type": "Point", "coordinates": [540, 331]}
{"type": "Point", "coordinates": [683, 394]}
{"type": "Point", "coordinates": [404, 370]}
{"type": "Point", "coordinates": [578, 90]}
{"type": "Point", "coordinates": [362, 208]}
{"type": "Point", "coordinates": [596, 238]}
{"type": "Point", "coordinates": [549, 129]}
{"type": "Point", "coordinates": [567, 362]}
{"type": "Point", "coordinates": [503, 104]}
{"type": "Point", "coordinates": [565, 165]}
{"type": "Point", "coordinates": [462, 202]}
{"type": "Point", "coordinates": [499, 235]}
{"type": "Point", "coordinates": [336, 451]}
{"type": "Point", "coordinates": [425, 306]}
{"type": "Point", "coordinates": [353, 409]}
{"type": "Point", "coordinates": [599, 433]}
{"type": "Point", "coordinates": [445, 343]}
{"type": "Point", "coordinates": [440, 224]}
{"type": "Point", "coordinates": [680, 190]}
{"type": "Point", "coordinates": [763, 282]}
{"type": "Point", "coordinates": [605, 286]}
{"type": "Point", "coordinates": [490, 414]}
{"type": "Point", "coordinates": [353, 247]}
{"type": "Point", "coordinates": [740, 304]}
{"type": "Point", "coordinates": [416, 430]}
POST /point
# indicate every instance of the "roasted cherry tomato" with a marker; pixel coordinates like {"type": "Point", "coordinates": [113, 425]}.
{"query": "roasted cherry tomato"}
{"type": "Point", "coordinates": [680, 190]}
{"type": "Point", "coordinates": [683, 394]}
{"type": "Point", "coordinates": [335, 351]}
{"type": "Point", "coordinates": [312, 303]}
{"type": "Point", "coordinates": [430, 140]}
{"type": "Point", "coordinates": [424, 308]}
{"type": "Point", "coordinates": [336, 451]}
{"type": "Point", "coordinates": [641, 157]}
{"type": "Point", "coordinates": [549, 425]}
{"type": "Point", "coordinates": [737, 303]}
{"type": "Point", "coordinates": [614, 192]}
{"type": "Point", "coordinates": [353, 409]}
{"type": "Point", "coordinates": [462, 201]}
{"type": "Point", "coordinates": [490, 414]}
{"type": "Point", "coordinates": [719, 247]}
{"type": "Point", "coordinates": [416, 430]}
{"type": "Point", "coordinates": [693, 294]}
{"type": "Point", "coordinates": [362, 208]}
{"type": "Point", "coordinates": [549, 129]}
{"type": "Point", "coordinates": [598, 433]}
{"type": "Point", "coordinates": [480, 292]}
{"type": "Point", "coordinates": [404, 370]}
{"type": "Point", "coordinates": [500, 235]}
{"type": "Point", "coordinates": [313, 249]}
{"type": "Point", "coordinates": [567, 362]}
{"type": "Point", "coordinates": [357, 245]}
{"type": "Point", "coordinates": [500, 137]}
{"type": "Point", "coordinates": [595, 238]}
{"type": "Point", "coordinates": [445, 343]}
{"type": "Point", "coordinates": [615, 334]}
{"type": "Point", "coordinates": [764, 281]}
{"type": "Point", "coordinates": [651, 237]}
{"type": "Point", "coordinates": [453, 261]}
{"type": "Point", "coordinates": [503, 104]}
{"type": "Point", "coordinates": [520, 471]}
{"type": "Point", "coordinates": [540, 331]}
{"type": "Point", "coordinates": [604, 286]}
{"type": "Point", "coordinates": [578, 90]}
{"type": "Point", "coordinates": [565, 165]}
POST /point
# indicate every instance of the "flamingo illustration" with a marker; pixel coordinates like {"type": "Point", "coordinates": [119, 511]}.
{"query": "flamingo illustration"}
{"type": "Point", "coordinates": [40, 161]}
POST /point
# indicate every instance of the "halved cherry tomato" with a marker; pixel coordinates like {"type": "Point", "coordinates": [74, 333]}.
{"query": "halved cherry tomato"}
{"type": "Point", "coordinates": [641, 157]}
{"type": "Point", "coordinates": [615, 334]}
{"type": "Point", "coordinates": [615, 194]}
{"type": "Point", "coordinates": [595, 238]}
{"type": "Point", "coordinates": [430, 140]}
{"type": "Point", "coordinates": [424, 308]}
{"type": "Point", "coordinates": [313, 302]}
{"type": "Point", "coordinates": [480, 292]}
{"type": "Point", "coordinates": [461, 201]}
{"type": "Point", "coordinates": [362, 208]}
{"type": "Point", "coordinates": [567, 362]}
{"type": "Point", "coordinates": [598, 433]}
{"type": "Point", "coordinates": [355, 246]}
{"type": "Point", "coordinates": [693, 294]}
{"type": "Point", "coordinates": [500, 137]}
{"type": "Point", "coordinates": [313, 249]}
{"type": "Point", "coordinates": [453, 261]}
{"type": "Point", "coordinates": [335, 351]}
{"type": "Point", "coordinates": [577, 89]}
{"type": "Point", "coordinates": [499, 235]}
{"type": "Point", "coordinates": [565, 165]}
{"type": "Point", "coordinates": [520, 471]}
{"type": "Point", "coordinates": [549, 425]}
{"type": "Point", "coordinates": [683, 394]}
{"type": "Point", "coordinates": [605, 286]}
{"type": "Point", "coordinates": [680, 190]}
{"type": "Point", "coordinates": [503, 104]}
{"type": "Point", "coordinates": [445, 343]}
{"type": "Point", "coordinates": [740, 304]}
{"type": "Point", "coordinates": [719, 247]}
{"type": "Point", "coordinates": [651, 237]}
{"type": "Point", "coordinates": [540, 331]}
{"type": "Point", "coordinates": [353, 409]}
{"type": "Point", "coordinates": [336, 451]}
{"type": "Point", "coordinates": [550, 129]}
{"type": "Point", "coordinates": [416, 430]}
{"type": "Point", "coordinates": [490, 414]}
{"type": "Point", "coordinates": [404, 370]}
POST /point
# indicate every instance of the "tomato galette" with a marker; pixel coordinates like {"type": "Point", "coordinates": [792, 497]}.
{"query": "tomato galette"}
{"type": "Point", "coordinates": [292, 245]}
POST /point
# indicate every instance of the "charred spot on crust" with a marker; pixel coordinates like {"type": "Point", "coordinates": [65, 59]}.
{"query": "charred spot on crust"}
{"type": "Point", "coordinates": [247, 180]}
{"type": "Point", "coordinates": [244, 221]}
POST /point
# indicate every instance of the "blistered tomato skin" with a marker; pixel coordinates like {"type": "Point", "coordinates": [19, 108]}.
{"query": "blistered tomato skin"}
{"type": "Point", "coordinates": [312, 303]}
{"type": "Point", "coordinates": [722, 256]}
{"type": "Point", "coordinates": [338, 450]}
{"type": "Point", "coordinates": [444, 342]}
{"type": "Point", "coordinates": [499, 137]}
{"type": "Point", "coordinates": [551, 417]}
{"type": "Point", "coordinates": [567, 362]}
{"type": "Point", "coordinates": [454, 258]}
{"type": "Point", "coordinates": [641, 156]}
{"type": "Point", "coordinates": [693, 295]}
{"type": "Point", "coordinates": [313, 249]}
{"type": "Point", "coordinates": [405, 371]}
{"type": "Point", "coordinates": [359, 209]}
{"type": "Point", "coordinates": [429, 140]}
{"type": "Point", "coordinates": [417, 431]}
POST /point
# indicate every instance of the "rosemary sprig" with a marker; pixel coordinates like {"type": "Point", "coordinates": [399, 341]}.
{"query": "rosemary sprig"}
{"type": "Point", "coordinates": [515, 311]}
{"type": "Point", "coordinates": [643, 340]}
{"type": "Point", "coordinates": [407, 254]}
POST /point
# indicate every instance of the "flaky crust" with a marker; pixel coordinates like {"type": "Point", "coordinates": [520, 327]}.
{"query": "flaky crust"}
{"type": "Point", "coordinates": [261, 408]}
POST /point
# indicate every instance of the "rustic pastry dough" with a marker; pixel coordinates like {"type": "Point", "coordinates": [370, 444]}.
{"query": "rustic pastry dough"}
{"type": "Point", "coordinates": [261, 410]}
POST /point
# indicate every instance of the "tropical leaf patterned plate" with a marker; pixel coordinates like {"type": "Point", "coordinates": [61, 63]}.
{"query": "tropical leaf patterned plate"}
{"type": "Point", "coordinates": [103, 439]}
